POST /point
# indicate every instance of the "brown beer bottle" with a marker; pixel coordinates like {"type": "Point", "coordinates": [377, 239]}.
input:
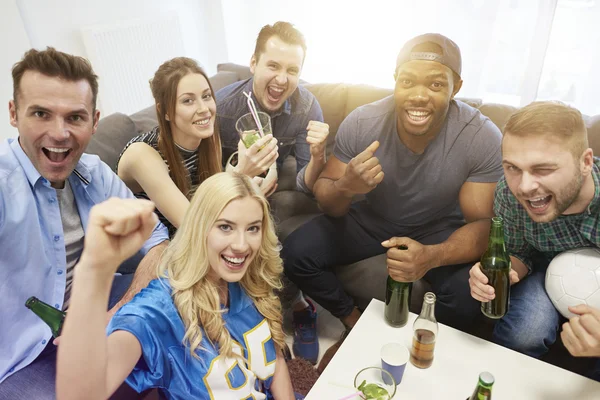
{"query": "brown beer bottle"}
{"type": "Point", "coordinates": [495, 264]}
{"type": "Point", "coordinates": [483, 390]}
{"type": "Point", "coordinates": [425, 329]}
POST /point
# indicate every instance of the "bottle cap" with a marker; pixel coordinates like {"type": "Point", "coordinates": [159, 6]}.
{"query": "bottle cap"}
{"type": "Point", "coordinates": [486, 378]}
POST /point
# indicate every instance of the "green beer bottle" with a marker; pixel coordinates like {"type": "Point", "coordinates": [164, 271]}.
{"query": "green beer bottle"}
{"type": "Point", "coordinates": [397, 300]}
{"type": "Point", "coordinates": [51, 316]}
{"type": "Point", "coordinates": [495, 264]}
{"type": "Point", "coordinates": [483, 391]}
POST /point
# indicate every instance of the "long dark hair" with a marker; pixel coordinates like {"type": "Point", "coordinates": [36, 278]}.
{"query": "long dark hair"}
{"type": "Point", "coordinates": [164, 89]}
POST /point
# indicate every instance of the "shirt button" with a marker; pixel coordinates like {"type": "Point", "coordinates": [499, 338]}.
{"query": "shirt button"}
{"type": "Point", "coordinates": [59, 272]}
{"type": "Point", "coordinates": [51, 200]}
{"type": "Point", "coordinates": [44, 341]}
{"type": "Point", "coordinates": [11, 370]}
{"type": "Point", "coordinates": [56, 306]}
{"type": "Point", "coordinates": [56, 238]}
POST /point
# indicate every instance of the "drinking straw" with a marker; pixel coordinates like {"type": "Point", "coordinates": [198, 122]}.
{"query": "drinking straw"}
{"type": "Point", "coordinates": [352, 396]}
{"type": "Point", "coordinates": [254, 113]}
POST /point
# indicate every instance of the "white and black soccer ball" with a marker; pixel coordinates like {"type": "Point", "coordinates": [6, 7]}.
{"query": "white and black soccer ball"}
{"type": "Point", "coordinates": [573, 278]}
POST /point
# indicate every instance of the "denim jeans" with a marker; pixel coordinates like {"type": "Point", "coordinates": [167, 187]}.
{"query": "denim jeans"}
{"type": "Point", "coordinates": [311, 250]}
{"type": "Point", "coordinates": [532, 323]}
{"type": "Point", "coordinates": [37, 380]}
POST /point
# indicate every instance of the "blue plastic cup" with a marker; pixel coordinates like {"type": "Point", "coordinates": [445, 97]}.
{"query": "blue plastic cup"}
{"type": "Point", "coordinates": [394, 357]}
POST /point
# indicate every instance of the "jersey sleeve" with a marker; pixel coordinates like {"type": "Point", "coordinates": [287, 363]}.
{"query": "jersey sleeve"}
{"type": "Point", "coordinates": [146, 319]}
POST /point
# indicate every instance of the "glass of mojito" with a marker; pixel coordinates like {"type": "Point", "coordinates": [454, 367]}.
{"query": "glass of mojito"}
{"type": "Point", "coordinates": [375, 383]}
{"type": "Point", "coordinates": [248, 130]}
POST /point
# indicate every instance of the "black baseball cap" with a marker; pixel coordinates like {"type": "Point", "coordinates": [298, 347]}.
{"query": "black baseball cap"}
{"type": "Point", "coordinates": [450, 56]}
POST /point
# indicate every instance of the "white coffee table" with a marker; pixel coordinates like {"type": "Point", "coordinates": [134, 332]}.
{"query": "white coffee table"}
{"type": "Point", "coordinates": [459, 358]}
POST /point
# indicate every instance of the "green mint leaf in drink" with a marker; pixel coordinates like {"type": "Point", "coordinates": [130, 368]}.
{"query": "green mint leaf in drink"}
{"type": "Point", "coordinates": [362, 385]}
{"type": "Point", "coordinates": [250, 137]}
{"type": "Point", "coordinates": [372, 391]}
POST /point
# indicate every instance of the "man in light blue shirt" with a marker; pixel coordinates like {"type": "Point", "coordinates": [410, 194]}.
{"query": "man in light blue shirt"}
{"type": "Point", "coordinates": [47, 188]}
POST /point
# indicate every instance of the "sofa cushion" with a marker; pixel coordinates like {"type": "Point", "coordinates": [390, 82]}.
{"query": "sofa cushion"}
{"type": "Point", "coordinates": [111, 137]}
{"type": "Point", "coordinates": [286, 177]}
{"type": "Point", "coordinates": [332, 99]}
{"type": "Point", "coordinates": [473, 102]}
{"type": "Point", "coordinates": [359, 95]}
{"type": "Point", "coordinates": [145, 120]}
{"type": "Point", "coordinates": [498, 113]}
{"type": "Point", "coordinates": [288, 204]}
{"type": "Point", "coordinates": [242, 71]}
{"type": "Point", "coordinates": [222, 79]}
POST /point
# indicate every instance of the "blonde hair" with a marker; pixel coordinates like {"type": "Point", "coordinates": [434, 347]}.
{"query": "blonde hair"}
{"type": "Point", "coordinates": [553, 118]}
{"type": "Point", "coordinates": [185, 264]}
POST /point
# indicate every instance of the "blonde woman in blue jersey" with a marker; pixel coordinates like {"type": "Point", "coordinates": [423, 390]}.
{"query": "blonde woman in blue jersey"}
{"type": "Point", "coordinates": [209, 328]}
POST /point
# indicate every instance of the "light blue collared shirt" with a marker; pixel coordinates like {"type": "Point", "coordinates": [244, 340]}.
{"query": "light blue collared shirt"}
{"type": "Point", "coordinates": [32, 247]}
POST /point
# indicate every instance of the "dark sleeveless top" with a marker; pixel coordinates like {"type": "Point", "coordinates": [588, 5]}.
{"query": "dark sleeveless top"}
{"type": "Point", "coordinates": [190, 162]}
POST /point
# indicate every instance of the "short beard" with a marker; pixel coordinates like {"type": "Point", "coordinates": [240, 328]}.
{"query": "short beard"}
{"type": "Point", "coordinates": [569, 194]}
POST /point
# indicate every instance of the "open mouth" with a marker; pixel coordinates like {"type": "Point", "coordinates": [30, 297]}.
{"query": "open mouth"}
{"type": "Point", "coordinates": [56, 154]}
{"type": "Point", "coordinates": [275, 93]}
{"type": "Point", "coordinates": [202, 123]}
{"type": "Point", "coordinates": [234, 263]}
{"type": "Point", "coordinates": [418, 117]}
{"type": "Point", "coordinates": [539, 204]}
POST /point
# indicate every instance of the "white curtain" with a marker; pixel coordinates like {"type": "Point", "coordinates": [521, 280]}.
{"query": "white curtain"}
{"type": "Point", "coordinates": [514, 51]}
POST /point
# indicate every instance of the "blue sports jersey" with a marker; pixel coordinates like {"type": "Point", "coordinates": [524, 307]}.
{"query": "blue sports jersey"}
{"type": "Point", "coordinates": [166, 362]}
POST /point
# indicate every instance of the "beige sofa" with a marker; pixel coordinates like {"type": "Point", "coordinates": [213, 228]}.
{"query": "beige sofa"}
{"type": "Point", "coordinates": [363, 280]}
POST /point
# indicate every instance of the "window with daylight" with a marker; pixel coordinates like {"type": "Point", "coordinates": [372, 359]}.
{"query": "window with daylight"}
{"type": "Point", "coordinates": [513, 51]}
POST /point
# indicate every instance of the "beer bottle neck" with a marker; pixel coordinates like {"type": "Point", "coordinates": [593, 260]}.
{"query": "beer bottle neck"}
{"type": "Point", "coordinates": [496, 239]}
{"type": "Point", "coordinates": [45, 312]}
{"type": "Point", "coordinates": [428, 308]}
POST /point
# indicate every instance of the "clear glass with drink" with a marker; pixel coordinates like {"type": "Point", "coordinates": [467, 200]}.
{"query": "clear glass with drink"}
{"type": "Point", "coordinates": [425, 329]}
{"type": "Point", "coordinates": [248, 129]}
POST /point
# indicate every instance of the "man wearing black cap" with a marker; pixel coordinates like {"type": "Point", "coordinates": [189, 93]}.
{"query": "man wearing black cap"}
{"type": "Point", "coordinates": [428, 165]}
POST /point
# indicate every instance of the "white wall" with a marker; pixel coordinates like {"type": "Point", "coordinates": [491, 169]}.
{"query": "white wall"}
{"type": "Point", "coordinates": [40, 23]}
{"type": "Point", "coordinates": [58, 22]}
{"type": "Point", "coordinates": [13, 43]}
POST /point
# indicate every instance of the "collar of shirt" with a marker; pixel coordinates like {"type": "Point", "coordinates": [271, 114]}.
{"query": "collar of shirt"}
{"type": "Point", "coordinates": [594, 205]}
{"type": "Point", "coordinates": [32, 174]}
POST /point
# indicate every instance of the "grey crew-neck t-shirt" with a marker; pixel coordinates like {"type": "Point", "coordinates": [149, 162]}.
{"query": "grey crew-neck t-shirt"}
{"type": "Point", "coordinates": [421, 189]}
{"type": "Point", "coordinates": [73, 233]}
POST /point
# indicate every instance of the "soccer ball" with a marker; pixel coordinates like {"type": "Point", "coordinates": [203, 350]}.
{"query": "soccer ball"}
{"type": "Point", "coordinates": [573, 278]}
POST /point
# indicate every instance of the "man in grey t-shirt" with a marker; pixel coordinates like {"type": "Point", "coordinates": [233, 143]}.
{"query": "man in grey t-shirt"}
{"type": "Point", "coordinates": [428, 166]}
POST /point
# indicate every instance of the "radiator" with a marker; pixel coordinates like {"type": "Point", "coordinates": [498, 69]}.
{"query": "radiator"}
{"type": "Point", "coordinates": [125, 56]}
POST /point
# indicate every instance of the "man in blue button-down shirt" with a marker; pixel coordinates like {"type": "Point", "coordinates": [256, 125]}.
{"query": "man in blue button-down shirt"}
{"type": "Point", "coordinates": [47, 188]}
{"type": "Point", "coordinates": [297, 125]}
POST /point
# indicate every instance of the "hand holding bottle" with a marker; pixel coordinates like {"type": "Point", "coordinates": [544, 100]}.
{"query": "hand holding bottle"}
{"type": "Point", "coordinates": [410, 263]}
{"type": "Point", "coordinates": [480, 290]}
